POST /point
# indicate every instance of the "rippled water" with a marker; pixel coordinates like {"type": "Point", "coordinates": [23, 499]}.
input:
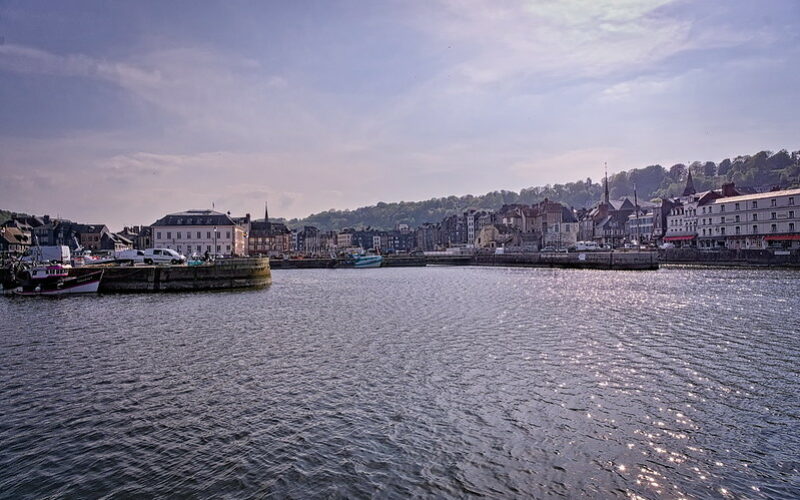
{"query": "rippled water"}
{"type": "Point", "coordinates": [426, 382]}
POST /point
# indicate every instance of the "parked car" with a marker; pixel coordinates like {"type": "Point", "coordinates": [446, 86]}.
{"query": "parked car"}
{"type": "Point", "coordinates": [162, 256]}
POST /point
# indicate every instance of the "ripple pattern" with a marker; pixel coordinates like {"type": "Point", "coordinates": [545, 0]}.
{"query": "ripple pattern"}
{"type": "Point", "coordinates": [421, 382]}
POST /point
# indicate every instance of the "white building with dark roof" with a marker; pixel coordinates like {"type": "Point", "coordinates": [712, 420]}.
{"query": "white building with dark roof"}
{"type": "Point", "coordinates": [200, 231]}
{"type": "Point", "coordinates": [757, 221]}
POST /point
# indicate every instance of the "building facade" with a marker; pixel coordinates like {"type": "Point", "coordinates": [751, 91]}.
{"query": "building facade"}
{"type": "Point", "coordinates": [752, 221]}
{"type": "Point", "coordinates": [198, 232]}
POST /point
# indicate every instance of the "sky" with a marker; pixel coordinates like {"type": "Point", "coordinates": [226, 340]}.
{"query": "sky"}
{"type": "Point", "coordinates": [121, 112]}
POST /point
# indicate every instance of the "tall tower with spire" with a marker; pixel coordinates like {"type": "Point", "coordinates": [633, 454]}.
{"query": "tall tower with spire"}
{"type": "Point", "coordinates": [689, 189]}
{"type": "Point", "coordinates": [606, 199]}
{"type": "Point", "coordinates": [266, 212]}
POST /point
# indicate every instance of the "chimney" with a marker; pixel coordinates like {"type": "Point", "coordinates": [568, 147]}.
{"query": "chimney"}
{"type": "Point", "coordinates": [729, 189]}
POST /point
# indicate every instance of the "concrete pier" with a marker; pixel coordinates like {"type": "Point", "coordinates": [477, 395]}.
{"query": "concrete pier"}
{"type": "Point", "coordinates": [222, 274]}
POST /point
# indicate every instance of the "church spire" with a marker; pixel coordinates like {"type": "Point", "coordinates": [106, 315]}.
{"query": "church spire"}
{"type": "Point", "coordinates": [689, 189]}
{"type": "Point", "coordinates": [266, 212]}
{"type": "Point", "coordinates": [605, 186]}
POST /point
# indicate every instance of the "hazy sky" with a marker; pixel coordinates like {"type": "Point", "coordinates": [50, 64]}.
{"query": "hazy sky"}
{"type": "Point", "coordinates": [120, 112]}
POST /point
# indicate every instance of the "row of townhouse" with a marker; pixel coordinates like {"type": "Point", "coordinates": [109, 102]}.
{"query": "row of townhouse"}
{"type": "Point", "coordinates": [28, 230]}
{"type": "Point", "coordinates": [728, 218]}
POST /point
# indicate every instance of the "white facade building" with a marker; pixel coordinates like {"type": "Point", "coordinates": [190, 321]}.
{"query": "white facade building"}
{"type": "Point", "coordinates": [200, 231]}
{"type": "Point", "coordinates": [754, 221]}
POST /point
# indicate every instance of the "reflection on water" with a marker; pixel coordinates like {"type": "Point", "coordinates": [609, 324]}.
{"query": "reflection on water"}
{"type": "Point", "coordinates": [411, 382]}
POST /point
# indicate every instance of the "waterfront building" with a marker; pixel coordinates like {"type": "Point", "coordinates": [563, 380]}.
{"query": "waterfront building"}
{"type": "Point", "coordinates": [752, 221]}
{"type": "Point", "coordinates": [640, 225]}
{"type": "Point", "coordinates": [498, 236]}
{"type": "Point", "coordinates": [14, 240]}
{"type": "Point", "coordinates": [91, 235]}
{"type": "Point", "coordinates": [269, 238]}
{"type": "Point", "coordinates": [560, 231]}
{"type": "Point", "coordinates": [308, 240]}
{"type": "Point", "coordinates": [689, 213]}
{"type": "Point", "coordinates": [344, 239]}
{"type": "Point", "coordinates": [428, 237]}
{"type": "Point", "coordinates": [141, 236]}
{"type": "Point", "coordinates": [400, 242]}
{"type": "Point", "coordinates": [453, 231]}
{"type": "Point", "coordinates": [200, 231]}
{"type": "Point", "coordinates": [115, 242]}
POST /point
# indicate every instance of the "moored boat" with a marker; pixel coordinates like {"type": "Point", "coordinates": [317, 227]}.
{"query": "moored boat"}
{"type": "Point", "coordinates": [57, 279]}
{"type": "Point", "coordinates": [367, 261]}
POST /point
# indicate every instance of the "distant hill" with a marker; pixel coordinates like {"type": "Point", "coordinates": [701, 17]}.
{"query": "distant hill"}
{"type": "Point", "coordinates": [761, 170]}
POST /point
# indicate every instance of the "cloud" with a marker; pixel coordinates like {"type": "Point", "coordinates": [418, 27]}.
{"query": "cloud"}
{"type": "Point", "coordinates": [527, 42]}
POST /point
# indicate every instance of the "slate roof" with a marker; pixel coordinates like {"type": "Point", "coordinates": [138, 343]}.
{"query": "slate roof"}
{"type": "Point", "coordinates": [195, 218]}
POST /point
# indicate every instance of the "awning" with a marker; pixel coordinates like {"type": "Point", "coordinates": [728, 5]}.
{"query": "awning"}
{"type": "Point", "coordinates": [782, 237]}
{"type": "Point", "coordinates": [679, 238]}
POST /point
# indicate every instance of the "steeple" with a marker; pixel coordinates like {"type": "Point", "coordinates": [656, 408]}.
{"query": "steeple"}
{"type": "Point", "coordinates": [605, 187]}
{"type": "Point", "coordinates": [266, 212]}
{"type": "Point", "coordinates": [689, 189]}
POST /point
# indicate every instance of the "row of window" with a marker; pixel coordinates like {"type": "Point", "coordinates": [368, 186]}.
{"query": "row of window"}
{"type": "Point", "coordinates": [178, 235]}
{"type": "Point", "coordinates": [737, 230]}
{"type": "Point", "coordinates": [753, 204]}
{"type": "Point", "coordinates": [773, 216]}
{"type": "Point", "coordinates": [199, 248]}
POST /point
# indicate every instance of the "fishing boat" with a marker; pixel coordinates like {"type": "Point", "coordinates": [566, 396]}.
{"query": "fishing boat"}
{"type": "Point", "coordinates": [57, 279]}
{"type": "Point", "coordinates": [366, 261]}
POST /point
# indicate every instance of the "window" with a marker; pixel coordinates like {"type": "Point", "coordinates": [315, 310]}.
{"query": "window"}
{"type": "Point", "coordinates": [755, 229]}
{"type": "Point", "coordinates": [198, 237]}
{"type": "Point", "coordinates": [169, 235]}
{"type": "Point", "coordinates": [722, 220]}
{"type": "Point", "coordinates": [773, 216]}
{"type": "Point", "coordinates": [218, 247]}
{"type": "Point", "coordinates": [791, 200]}
{"type": "Point", "coordinates": [791, 214]}
{"type": "Point", "coordinates": [158, 235]}
{"type": "Point", "coordinates": [738, 230]}
{"type": "Point", "coordinates": [774, 228]}
{"type": "Point", "coordinates": [755, 216]}
{"type": "Point", "coordinates": [208, 248]}
{"type": "Point", "coordinates": [228, 234]}
{"type": "Point", "coordinates": [704, 232]}
{"type": "Point", "coordinates": [773, 202]}
{"type": "Point", "coordinates": [737, 218]}
{"type": "Point", "coordinates": [722, 231]}
{"type": "Point", "coordinates": [737, 206]}
{"type": "Point", "coordinates": [791, 227]}
{"type": "Point", "coordinates": [755, 204]}
{"type": "Point", "coordinates": [722, 208]}
{"type": "Point", "coordinates": [178, 234]}
{"type": "Point", "coordinates": [704, 209]}
{"type": "Point", "coordinates": [208, 235]}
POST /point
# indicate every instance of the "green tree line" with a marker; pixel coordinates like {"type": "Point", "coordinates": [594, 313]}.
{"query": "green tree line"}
{"type": "Point", "coordinates": [764, 169]}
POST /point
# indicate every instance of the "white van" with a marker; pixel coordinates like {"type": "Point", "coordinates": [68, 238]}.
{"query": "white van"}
{"type": "Point", "coordinates": [587, 246]}
{"type": "Point", "coordinates": [162, 256]}
{"type": "Point", "coordinates": [135, 256]}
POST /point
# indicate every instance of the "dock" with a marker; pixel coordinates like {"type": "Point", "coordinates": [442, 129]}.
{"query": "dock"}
{"type": "Point", "coordinates": [622, 261]}
{"type": "Point", "coordinates": [223, 274]}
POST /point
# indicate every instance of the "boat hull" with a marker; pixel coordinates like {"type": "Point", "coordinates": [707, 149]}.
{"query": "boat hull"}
{"type": "Point", "coordinates": [89, 283]}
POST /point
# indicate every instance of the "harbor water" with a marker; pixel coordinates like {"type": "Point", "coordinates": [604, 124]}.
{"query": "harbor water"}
{"type": "Point", "coordinates": [410, 382]}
